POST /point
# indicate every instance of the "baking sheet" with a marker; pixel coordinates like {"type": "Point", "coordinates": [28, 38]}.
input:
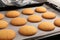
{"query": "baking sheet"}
{"type": "Point", "coordinates": [40, 32]}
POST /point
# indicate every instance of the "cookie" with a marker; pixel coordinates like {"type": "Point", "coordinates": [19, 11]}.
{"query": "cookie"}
{"type": "Point", "coordinates": [34, 18]}
{"type": "Point", "coordinates": [1, 39]}
{"type": "Point", "coordinates": [12, 14]}
{"type": "Point", "coordinates": [3, 24]}
{"type": "Point", "coordinates": [28, 30]}
{"type": "Point", "coordinates": [49, 15]}
{"type": "Point", "coordinates": [28, 11]}
{"type": "Point", "coordinates": [1, 16]}
{"type": "Point", "coordinates": [7, 34]}
{"type": "Point", "coordinates": [18, 21]}
{"type": "Point", "coordinates": [40, 9]}
{"type": "Point", "coordinates": [46, 26]}
{"type": "Point", "coordinates": [57, 22]}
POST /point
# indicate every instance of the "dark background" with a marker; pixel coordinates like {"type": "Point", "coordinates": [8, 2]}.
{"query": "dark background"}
{"type": "Point", "coordinates": [56, 37]}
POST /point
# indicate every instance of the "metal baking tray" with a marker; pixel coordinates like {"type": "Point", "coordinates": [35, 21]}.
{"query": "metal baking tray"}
{"type": "Point", "coordinates": [40, 34]}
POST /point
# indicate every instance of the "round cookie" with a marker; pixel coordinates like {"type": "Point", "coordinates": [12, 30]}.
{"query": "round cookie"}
{"type": "Point", "coordinates": [57, 22]}
{"type": "Point", "coordinates": [18, 21]}
{"type": "Point", "coordinates": [49, 15]}
{"type": "Point", "coordinates": [46, 26]}
{"type": "Point", "coordinates": [28, 11]}
{"type": "Point", "coordinates": [7, 34]}
{"type": "Point", "coordinates": [12, 14]}
{"type": "Point", "coordinates": [34, 18]}
{"type": "Point", "coordinates": [28, 30]}
{"type": "Point", "coordinates": [1, 16]}
{"type": "Point", "coordinates": [3, 24]}
{"type": "Point", "coordinates": [41, 9]}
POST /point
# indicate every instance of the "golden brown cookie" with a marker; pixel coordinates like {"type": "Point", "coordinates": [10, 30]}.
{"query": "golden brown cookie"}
{"type": "Point", "coordinates": [49, 15]}
{"type": "Point", "coordinates": [12, 14]}
{"type": "Point", "coordinates": [1, 16]}
{"type": "Point", "coordinates": [3, 24]}
{"type": "Point", "coordinates": [28, 30]}
{"type": "Point", "coordinates": [10, 39]}
{"type": "Point", "coordinates": [28, 11]}
{"type": "Point", "coordinates": [34, 18]}
{"type": "Point", "coordinates": [46, 26]}
{"type": "Point", "coordinates": [57, 22]}
{"type": "Point", "coordinates": [18, 21]}
{"type": "Point", "coordinates": [7, 34]}
{"type": "Point", "coordinates": [41, 9]}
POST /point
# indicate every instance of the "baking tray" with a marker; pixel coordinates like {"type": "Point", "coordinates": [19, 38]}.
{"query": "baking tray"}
{"type": "Point", "coordinates": [40, 34]}
{"type": "Point", "coordinates": [53, 6]}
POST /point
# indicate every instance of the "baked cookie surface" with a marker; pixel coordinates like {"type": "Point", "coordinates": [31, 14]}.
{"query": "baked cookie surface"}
{"type": "Point", "coordinates": [57, 22]}
{"type": "Point", "coordinates": [18, 21]}
{"type": "Point", "coordinates": [7, 34]}
{"type": "Point", "coordinates": [1, 16]}
{"type": "Point", "coordinates": [40, 9]}
{"type": "Point", "coordinates": [28, 30]}
{"type": "Point", "coordinates": [3, 24]}
{"type": "Point", "coordinates": [49, 15]}
{"type": "Point", "coordinates": [34, 18]}
{"type": "Point", "coordinates": [12, 14]}
{"type": "Point", "coordinates": [46, 26]}
{"type": "Point", "coordinates": [28, 11]}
